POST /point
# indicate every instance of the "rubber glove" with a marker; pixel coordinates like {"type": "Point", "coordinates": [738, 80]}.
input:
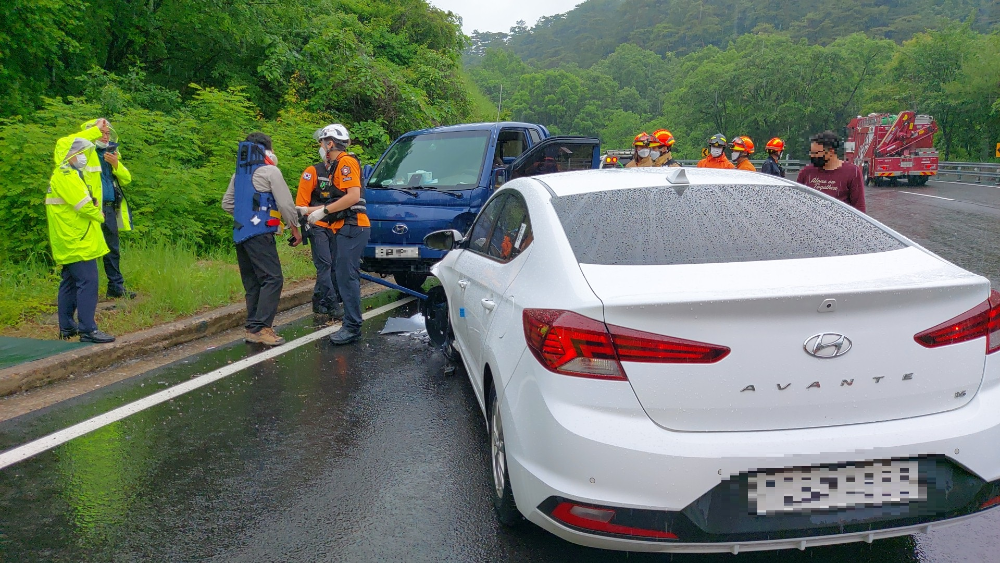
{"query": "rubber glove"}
{"type": "Point", "coordinates": [317, 215]}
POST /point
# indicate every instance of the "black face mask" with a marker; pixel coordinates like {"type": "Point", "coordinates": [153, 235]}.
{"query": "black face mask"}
{"type": "Point", "coordinates": [818, 161]}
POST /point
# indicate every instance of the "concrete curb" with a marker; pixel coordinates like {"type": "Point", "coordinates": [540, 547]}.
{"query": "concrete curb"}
{"type": "Point", "coordinates": [93, 358]}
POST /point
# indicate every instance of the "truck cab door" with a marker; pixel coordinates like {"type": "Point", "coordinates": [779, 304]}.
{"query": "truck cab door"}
{"type": "Point", "coordinates": [557, 154]}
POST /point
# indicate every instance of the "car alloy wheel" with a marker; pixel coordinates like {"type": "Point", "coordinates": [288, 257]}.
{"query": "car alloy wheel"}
{"type": "Point", "coordinates": [503, 497]}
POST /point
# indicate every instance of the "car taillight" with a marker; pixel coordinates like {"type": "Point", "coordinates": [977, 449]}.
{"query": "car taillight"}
{"type": "Point", "coordinates": [983, 320]}
{"type": "Point", "coordinates": [569, 343]}
{"type": "Point", "coordinates": [599, 520]}
{"type": "Point", "coordinates": [638, 346]}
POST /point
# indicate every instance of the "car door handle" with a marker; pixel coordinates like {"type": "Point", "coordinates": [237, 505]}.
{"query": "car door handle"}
{"type": "Point", "coordinates": [489, 304]}
{"type": "Point", "coordinates": [463, 283]}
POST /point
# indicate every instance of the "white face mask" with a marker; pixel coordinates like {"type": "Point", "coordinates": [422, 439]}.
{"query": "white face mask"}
{"type": "Point", "coordinates": [322, 154]}
{"type": "Point", "coordinates": [79, 161]}
{"type": "Point", "coordinates": [736, 155]}
{"type": "Point", "coordinates": [654, 154]}
{"type": "Point", "coordinates": [715, 151]}
{"type": "Point", "coordinates": [271, 156]}
{"type": "Point", "coordinates": [643, 153]}
{"type": "Point", "coordinates": [101, 144]}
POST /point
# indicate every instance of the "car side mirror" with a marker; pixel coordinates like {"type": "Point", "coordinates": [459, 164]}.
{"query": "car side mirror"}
{"type": "Point", "coordinates": [447, 239]}
{"type": "Point", "coordinates": [499, 177]}
{"type": "Point", "coordinates": [366, 172]}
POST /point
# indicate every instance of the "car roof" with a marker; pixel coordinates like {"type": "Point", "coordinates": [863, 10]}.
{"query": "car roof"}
{"type": "Point", "coordinates": [473, 127]}
{"type": "Point", "coordinates": [585, 181]}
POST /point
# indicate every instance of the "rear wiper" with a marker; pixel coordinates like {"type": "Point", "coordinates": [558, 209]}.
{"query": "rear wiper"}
{"type": "Point", "coordinates": [456, 195]}
{"type": "Point", "coordinates": [410, 193]}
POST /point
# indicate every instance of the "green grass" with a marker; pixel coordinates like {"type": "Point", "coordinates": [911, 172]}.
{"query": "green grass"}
{"type": "Point", "coordinates": [172, 282]}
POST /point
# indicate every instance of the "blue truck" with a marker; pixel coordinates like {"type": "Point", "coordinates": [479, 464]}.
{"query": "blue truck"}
{"type": "Point", "coordinates": [439, 178]}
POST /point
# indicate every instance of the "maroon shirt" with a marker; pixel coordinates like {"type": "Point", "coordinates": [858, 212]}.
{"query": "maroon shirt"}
{"type": "Point", "coordinates": [844, 183]}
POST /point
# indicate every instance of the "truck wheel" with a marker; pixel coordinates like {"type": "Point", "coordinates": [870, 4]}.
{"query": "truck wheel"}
{"type": "Point", "coordinates": [867, 177]}
{"type": "Point", "coordinates": [914, 180]}
{"type": "Point", "coordinates": [924, 180]}
{"type": "Point", "coordinates": [411, 280]}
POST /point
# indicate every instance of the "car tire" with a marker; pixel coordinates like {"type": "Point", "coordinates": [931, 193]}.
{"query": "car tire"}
{"type": "Point", "coordinates": [503, 497]}
{"type": "Point", "coordinates": [413, 281]}
{"type": "Point", "coordinates": [438, 323]}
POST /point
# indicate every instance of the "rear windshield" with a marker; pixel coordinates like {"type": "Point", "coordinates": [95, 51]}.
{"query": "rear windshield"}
{"type": "Point", "coordinates": [711, 224]}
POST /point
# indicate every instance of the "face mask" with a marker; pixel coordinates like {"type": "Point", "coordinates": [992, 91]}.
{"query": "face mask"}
{"type": "Point", "coordinates": [322, 154]}
{"type": "Point", "coordinates": [270, 158]}
{"type": "Point", "coordinates": [736, 155]}
{"type": "Point", "coordinates": [643, 153]}
{"type": "Point", "coordinates": [101, 144]}
{"type": "Point", "coordinates": [818, 161]}
{"type": "Point", "coordinates": [715, 151]}
{"type": "Point", "coordinates": [654, 154]}
{"type": "Point", "coordinates": [78, 161]}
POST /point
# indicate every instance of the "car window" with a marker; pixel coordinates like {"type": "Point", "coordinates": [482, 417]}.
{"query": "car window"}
{"type": "Point", "coordinates": [714, 224]}
{"type": "Point", "coordinates": [535, 136]}
{"type": "Point", "coordinates": [556, 157]}
{"type": "Point", "coordinates": [511, 143]}
{"type": "Point", "coordinates": [479, 236]}
{"type": "Point", "coordinates": [512, 233]}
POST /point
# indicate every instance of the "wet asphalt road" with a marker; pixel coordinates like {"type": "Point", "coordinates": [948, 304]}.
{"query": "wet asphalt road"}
{"type": "Point", "coordinates": [369, 453]}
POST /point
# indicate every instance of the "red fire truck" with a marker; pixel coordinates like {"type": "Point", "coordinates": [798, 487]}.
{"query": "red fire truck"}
{"type": "Point", "coordinates": [890, 147]}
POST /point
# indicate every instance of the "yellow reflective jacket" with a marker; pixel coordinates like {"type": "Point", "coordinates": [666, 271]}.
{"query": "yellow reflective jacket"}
{"type": "Point", "coordinates": [74, 220]}
{"type": "Point", "coordinates": [92, 172]}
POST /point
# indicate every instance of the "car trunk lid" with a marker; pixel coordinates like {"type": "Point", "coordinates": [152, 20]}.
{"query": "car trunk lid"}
{"type": "Point", "coordinates": [767, 312]}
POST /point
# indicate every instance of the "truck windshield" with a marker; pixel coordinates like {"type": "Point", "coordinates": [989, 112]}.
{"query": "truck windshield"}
{"type": "Point", "coordinates": [443, 161]}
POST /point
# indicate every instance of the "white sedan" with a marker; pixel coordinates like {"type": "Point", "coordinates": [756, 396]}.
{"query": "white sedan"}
{"type": "Point", "coordinates": [693, 360]}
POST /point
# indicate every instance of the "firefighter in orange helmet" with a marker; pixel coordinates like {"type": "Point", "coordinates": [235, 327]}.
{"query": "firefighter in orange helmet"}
{"type": "Point", "coordinates": [716, 154]}
{"type": "Point", "coordinates": [641, 150]}
{"type": "Point", "coordinates": [774, 149]}
{"type": "Point", "coordinates": [742, 149]}
{"type": "Point", "coordinates": [665, 157]}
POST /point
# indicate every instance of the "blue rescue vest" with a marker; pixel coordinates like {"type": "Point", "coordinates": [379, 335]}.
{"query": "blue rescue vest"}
{"type": "Point", "coordinates": [254, 213]}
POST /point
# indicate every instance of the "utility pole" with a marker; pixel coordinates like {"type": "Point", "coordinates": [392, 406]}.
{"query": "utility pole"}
{"type": "Point", "coordinates": [501, 102]}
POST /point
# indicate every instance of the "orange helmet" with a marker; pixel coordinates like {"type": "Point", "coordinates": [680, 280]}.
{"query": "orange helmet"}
{"type": "Point", "coordinates": [775, 145]}
{"type": "Point", "coordinates": [743, 144]}
{"type": "Point", "coordinates": [664, 137]}
{"type": "Point", "coordinates": [642, 139]}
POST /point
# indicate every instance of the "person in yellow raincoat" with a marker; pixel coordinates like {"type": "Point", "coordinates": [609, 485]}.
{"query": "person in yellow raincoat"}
{"type": "Point", "coordinates": [74, 220]}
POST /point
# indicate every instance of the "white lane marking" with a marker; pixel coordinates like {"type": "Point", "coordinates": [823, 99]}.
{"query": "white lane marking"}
{"type": "Point", "coordinates": [20, 453]}
{"type": "Point", "coordinates": [927, 195]}
{"type": "Point", "coordinates": [966, 184]}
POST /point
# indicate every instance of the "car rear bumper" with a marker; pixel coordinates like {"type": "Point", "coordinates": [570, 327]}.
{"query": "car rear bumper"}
{"type": "Point", "coordinates": [589, 441]}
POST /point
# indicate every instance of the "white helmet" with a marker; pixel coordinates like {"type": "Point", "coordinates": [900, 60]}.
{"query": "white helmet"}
{"type": "Point", "coordinates": [334, 131]}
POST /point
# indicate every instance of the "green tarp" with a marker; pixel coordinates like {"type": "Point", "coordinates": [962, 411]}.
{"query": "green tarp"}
{"type": "Point", "coordinates": [15, 351]}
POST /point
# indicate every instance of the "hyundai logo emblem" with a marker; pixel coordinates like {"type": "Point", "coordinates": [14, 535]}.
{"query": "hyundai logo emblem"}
{"type": "Point", "coordinates": [827, 345]}
{"type": "Point", "coordinates": [400, 229]}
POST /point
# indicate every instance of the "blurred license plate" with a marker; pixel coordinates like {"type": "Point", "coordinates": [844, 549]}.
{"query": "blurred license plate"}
{"type": "Point", "coordinates": [397, 252]}
{"type": "Point", "coordinates": [822, 488]}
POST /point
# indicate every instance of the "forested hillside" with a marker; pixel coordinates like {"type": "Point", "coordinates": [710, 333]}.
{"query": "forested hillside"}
{"type": "Point", "coordinates": [595, 28]}
{"type": "Point", "coordinates": [761, 68]}
{"type": "Point", "coordinates": [184, 80]}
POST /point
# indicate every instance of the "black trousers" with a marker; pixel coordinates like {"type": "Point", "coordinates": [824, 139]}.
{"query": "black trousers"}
{"type": "Point", "coordinates": [262, 280]}
{"type": "Point", "coordinates": [351, 241]}
{"type": "Point", "coordinates": [112, 260]}
{"type": "Point", "coordinates": [78, 296]}
{"type": "Point", "coordinates": [324, 248]}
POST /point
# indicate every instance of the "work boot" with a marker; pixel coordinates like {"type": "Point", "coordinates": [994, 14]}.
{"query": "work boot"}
{"type": "Point", "coordinates": [268, 337]}
{"type": "Point", "coordinates": [119, 293]}
{"type": "Point", "coordinates": [96, 337]}
{"type": "Point", "coordinates": [345, 336]}
{"type": "Point", "coordinates": [337, 311]}
{"type": "Point", "coordinates": [68, 334]}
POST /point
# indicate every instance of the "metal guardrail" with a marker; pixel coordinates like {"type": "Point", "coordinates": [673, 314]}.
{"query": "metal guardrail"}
{"type": "Point", "coordinates": [972, 172]}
